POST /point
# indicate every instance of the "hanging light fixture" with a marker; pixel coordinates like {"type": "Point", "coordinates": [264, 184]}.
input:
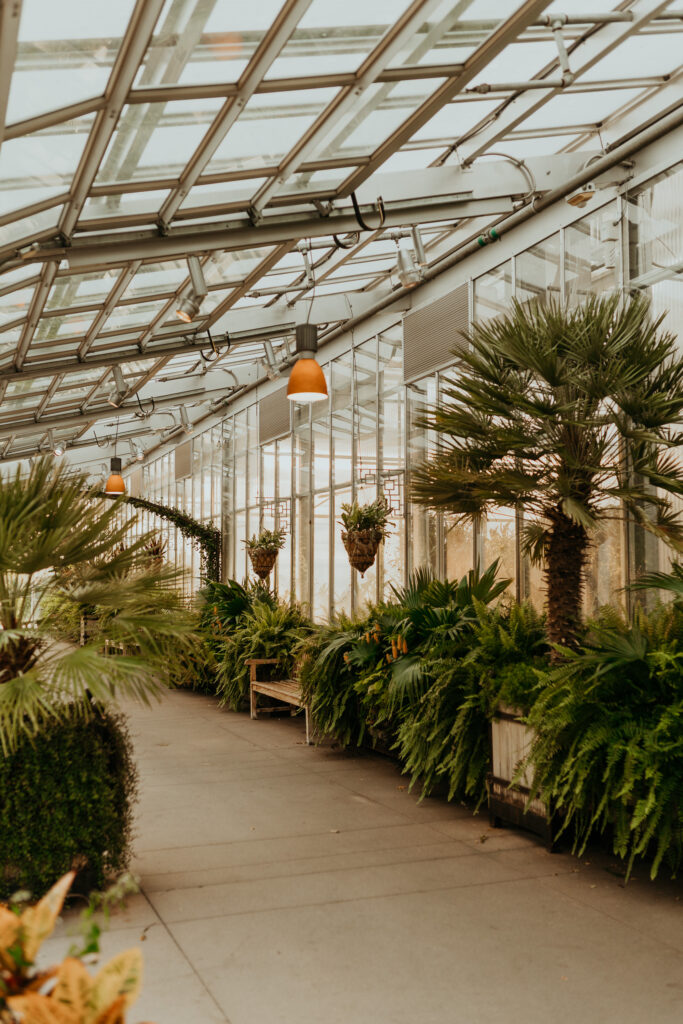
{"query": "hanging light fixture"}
{"type": "Point", "coordinates": [191, 304]}
{"type": "Point", "coordinates": [306, 380]}
{"type": "Point", "coordinates": [115, 484]}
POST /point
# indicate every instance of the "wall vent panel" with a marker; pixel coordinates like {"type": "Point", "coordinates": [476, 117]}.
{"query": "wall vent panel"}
{"type": "Point", "coordinates": [183, 460]}
{"type": "Point", "coordinates": [433, 332]}
{"type": "Point", "coordinates": [274, 416]}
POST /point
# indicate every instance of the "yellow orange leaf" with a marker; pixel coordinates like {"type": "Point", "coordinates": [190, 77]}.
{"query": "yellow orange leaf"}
{"type": "Point", "coordinates": [114, 1013]}
{"type": "Point", "coordinates": [122, 976]}
{"type": "Point", "coordinates": [37, 922]}
{"type": "Point", "coordinates": [10, 926]}
{"type": "Point", "coordinates": [73, 986]}
{"type": "Point", "coordinates": [37, 1009]}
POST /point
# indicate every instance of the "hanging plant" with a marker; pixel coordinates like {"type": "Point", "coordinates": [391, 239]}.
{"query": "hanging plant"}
{"type": "Point", "coordinates": [263, 550]}
{"type": "Point", "coordinates": [365, 527]}
{"type": "Point", "coordinates": [205, 537]}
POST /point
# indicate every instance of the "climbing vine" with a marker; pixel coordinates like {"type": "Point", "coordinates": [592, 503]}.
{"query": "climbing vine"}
{"type": "Point", "coordinates": [206, 538]}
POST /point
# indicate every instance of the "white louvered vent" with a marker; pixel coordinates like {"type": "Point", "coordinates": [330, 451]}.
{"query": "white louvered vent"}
{"type": "Point", "coordinates": [274, 416]}
{"type": "Point", "coordinates": [431, 334]}
{"type": "Point", "coordinates": [183, 460]}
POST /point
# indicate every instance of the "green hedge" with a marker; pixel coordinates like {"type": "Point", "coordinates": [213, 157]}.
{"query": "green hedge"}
{"type": "Point", "coordinates": [66, 800]}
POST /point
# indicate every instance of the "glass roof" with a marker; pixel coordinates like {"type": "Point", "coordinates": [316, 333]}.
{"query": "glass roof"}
{"type": "Point", "coordinates": [141, 132]}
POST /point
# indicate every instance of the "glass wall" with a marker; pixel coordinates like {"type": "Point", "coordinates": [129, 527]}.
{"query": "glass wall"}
{"type": "Point", "coordinates": [363, 441]}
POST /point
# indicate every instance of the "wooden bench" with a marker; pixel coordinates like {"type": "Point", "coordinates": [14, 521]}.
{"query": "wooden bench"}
{"type": "Point", "coordinates": [286, 690]}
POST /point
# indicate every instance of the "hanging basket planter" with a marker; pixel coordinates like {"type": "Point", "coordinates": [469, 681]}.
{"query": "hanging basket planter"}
{"type": "Point", "coordinates": [262, 561]}
{"type": "Point", "coordinates": [362, 547]}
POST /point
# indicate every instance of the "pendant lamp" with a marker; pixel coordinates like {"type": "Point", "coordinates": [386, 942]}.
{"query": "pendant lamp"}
{"type": "Point", "coordinates": [115, 484]}
{"type": "Point", "coordinates": [306, 380]}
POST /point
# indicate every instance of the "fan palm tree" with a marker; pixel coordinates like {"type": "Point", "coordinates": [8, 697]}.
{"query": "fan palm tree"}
{"type": "Point", "coordinates": [58, 538]}
{"type": "Point", "coordinates": [570, 415]}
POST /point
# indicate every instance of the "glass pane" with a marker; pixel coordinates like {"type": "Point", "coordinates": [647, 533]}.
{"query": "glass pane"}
{"type": "Point", "coordinates": [499, 542]}
{"type": "Point", "coordinates": [458, 547]}
{"type": "Point", "coordinates": [40, 165]}
{"type": "Point", "coordinates": [423, 538]}
{"type": "Point", "coordinates": [343, 573]}
{"type": "Point", "coordinates": [591, 262]}
{"type": "Point", "coordinates": [218, 39]}
{"type": "Point", "coordinates": [65, 54]}
{"type": "Point", "coordinates": [321, 557]}
{"type": "Point", "coordinates": [537, 271]}
{"type": "Point", "coordinates": [155, 140]}
{"type": "Point", "coordinates": [493, 292]}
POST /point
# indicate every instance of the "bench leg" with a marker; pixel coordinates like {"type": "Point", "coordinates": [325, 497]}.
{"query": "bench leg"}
{"type": "Point", "coordinates": [253, 711]}
{"type": "Point", "coordinates": [308, 728]}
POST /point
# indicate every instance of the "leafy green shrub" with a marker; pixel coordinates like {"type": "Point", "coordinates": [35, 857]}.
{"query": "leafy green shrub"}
{"type": "Point", "coordinates": [263, 630]}
{"type": "Point", "coordinates": [66, 800]}
{"type": "Point", "coordinates": [62, 618]}
{"type": "Point", "coordinates": [445, 738]}
{"type": "Point", "coordinates": [329, 680]}
{"type": "Point", "coordinates": [609, 747]}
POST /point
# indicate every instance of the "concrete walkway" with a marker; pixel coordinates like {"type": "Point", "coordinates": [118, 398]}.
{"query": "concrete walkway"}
{"type": "Point", "coordinates": [291, 885]}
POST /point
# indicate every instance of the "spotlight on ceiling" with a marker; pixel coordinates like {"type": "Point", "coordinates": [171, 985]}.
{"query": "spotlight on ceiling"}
{"type": "Point", "coordinates": [190, 305]}
{"type": "Point", "coordinates": [581, 196]}
{"type": "Point", "coordinates": [115, 484]}
{"type": "Point", "coordinates": [57, 447]}
{"type": "Point", "coordinates": [119, 389]}
{"type": "Point", "coordinates": [418, 246]}
{"type": "Point", "coordinates": [273, 371]}
{"type": "Point", "coordinates": [409, 273]}
{"type": "Point", "coordinates": [185, 419]}
{"type": "Point", "coordinates": [306, 379]}
{"type": "Point", "coordinates": [136, 451]}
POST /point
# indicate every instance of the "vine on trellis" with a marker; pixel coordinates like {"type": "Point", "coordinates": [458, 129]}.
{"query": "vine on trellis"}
{"type": "Point", "coordinates": [206, 538]}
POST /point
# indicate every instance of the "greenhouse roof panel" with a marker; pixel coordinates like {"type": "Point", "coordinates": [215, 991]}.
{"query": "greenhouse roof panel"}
{"type": "Point", "coordinates": [138, 134]}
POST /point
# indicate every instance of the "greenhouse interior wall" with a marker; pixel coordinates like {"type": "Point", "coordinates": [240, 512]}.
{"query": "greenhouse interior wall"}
{"type": "Point", "coordinates": [264, 463]}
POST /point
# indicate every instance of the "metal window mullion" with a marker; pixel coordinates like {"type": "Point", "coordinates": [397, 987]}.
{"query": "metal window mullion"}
{"type": "Point", "coordinates": [379, 581]}
{"type": "Point", "coordinates": [331, 495]}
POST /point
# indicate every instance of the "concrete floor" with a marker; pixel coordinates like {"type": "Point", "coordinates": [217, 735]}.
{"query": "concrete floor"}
{"type": "Point", "coordinates": [283, 884]}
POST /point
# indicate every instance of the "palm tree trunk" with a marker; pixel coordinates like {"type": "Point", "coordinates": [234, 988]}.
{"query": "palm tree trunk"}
{"type": "Point", "coordinates": [565, 559]}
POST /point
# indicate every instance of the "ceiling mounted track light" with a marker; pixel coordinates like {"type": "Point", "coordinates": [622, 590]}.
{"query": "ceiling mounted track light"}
{"type": "Point", "coordinates": [136, 451]}
{"type": "Point", "coordinates": [409, 273]}
{"type": "Point", "coordinates": [306, 380]}
{"type": "Point", "coordinates": [190, 305]}
{"type": "Point", "coordinates": [57, 447]}
{"type": "Point", "coordinates": [115, 485]}
{"type": "Point", "coordinates": [185, 419]}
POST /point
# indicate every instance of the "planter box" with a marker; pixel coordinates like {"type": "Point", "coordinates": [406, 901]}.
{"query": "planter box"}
{"type": "Point", "coordinates": [511, 741]}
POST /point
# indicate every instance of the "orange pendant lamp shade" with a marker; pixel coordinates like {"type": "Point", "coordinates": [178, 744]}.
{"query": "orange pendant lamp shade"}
{"type": "Point", "coordinates": [115, 484]}
{"type": "Point", "coordinates": [306, 380]}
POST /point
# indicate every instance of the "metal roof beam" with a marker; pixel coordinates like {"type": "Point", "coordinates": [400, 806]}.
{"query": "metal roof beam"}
{"type": "Point", "coordinates": [348, 98]}
{"type": "Point", "coordinates": [506, 33]}
{"type": "Point", "coordinates": [266, 53]}
{"type": "Point", "coordinates": [583, 55]}
{"type": "Point", "coordinates": [159, 397]}
{"type": "Point", "coordinates": [135, 42]}
{"type": "Point", "coordinates": [10, 14]}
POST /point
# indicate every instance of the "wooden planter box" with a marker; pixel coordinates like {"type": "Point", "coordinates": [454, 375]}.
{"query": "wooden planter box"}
{"type": "Point", "coordinates": [511, 741]}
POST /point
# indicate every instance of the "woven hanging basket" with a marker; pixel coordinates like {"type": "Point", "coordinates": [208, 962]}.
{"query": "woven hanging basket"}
{"type": "Point", "coordinates": [262, 561]}
{"type": "Point", "coordinates": [362, 547]}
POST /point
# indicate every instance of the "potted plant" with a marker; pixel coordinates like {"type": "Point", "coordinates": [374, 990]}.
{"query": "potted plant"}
{"type": "Point", "coordinates": [263, 549]}
{"type": "Point", "coordinates": [365, 527]}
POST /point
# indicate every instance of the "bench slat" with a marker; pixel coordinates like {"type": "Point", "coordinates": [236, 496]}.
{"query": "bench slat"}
{"type": "Point", "coordinates": [286, 690]}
